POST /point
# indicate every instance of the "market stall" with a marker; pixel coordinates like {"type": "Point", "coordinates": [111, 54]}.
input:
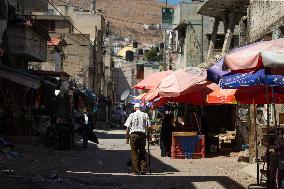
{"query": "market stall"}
{"type": "Point", "coordinates": [258, 68]}
{"type": "Point", "coordinates": [181, 135]}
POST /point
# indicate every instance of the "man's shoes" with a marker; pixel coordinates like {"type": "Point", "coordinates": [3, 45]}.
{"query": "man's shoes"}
{"type": "Point", "coordinates": [142, 173]}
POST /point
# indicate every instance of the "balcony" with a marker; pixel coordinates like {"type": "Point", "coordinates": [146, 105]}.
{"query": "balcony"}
{"type": "Point", "coordinates": [27, 39]}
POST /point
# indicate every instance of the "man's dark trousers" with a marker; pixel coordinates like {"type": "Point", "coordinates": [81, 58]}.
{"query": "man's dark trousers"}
{"type": "Point", "coordinates": [85, 134]}
{"type": "Point", "coordinates": [138, 152]}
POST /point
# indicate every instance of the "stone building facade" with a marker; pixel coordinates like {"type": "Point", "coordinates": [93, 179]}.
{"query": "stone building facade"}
{"type": "Point", "coordinates": [193, 34]}
{"type": "Point", "coordinates": [265, 20]}
{"type": "Point", "coordinates": [83, 54]}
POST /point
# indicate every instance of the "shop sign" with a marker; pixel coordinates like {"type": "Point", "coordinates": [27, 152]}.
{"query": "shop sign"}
{"type": "Point", "coordinates": [167, 18]}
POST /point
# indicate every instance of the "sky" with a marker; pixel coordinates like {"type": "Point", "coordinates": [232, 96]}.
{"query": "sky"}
{"type": "Point", "coordinates": [171, 1]}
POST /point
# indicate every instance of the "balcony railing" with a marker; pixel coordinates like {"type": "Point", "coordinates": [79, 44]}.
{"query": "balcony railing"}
{"type": "Point", "coordinates": [27, 38]}
{"type": "Point", "coordinates": [29, 21]}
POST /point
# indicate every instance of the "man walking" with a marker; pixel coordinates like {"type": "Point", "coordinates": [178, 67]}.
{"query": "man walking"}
{"type": "Point", "coordinates": [137, 124]}
{"type": "Point", "coordinates": [87, 127]}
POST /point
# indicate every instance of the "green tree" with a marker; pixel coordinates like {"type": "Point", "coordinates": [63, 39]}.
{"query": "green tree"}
{"type": "Point", "coordinates": [152, 55]}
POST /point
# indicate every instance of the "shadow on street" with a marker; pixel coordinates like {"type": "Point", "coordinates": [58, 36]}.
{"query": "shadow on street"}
{"type": "Point", "coordinates": [104, 167]}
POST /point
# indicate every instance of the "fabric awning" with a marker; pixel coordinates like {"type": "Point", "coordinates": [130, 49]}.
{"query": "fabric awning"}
{"type": "Point", "coordinates": [197, 95]}
{"type": "Point", "coordinates": [123, 51]}
{"type": "Point", "coordinates": [20, 77]}
{"type": "Point", "coordinates": [256, 56]}
{"type": "Point", "coordinates": [245, 95]}
{"type": "Point", "coordinates": [139, 97]}
{"type": "Point", "coordinates": [153, 80]}
{"type": "Point", "coordinates": [216, 72]}
{"type": "Point", "coordinates": [181, 81]}
{"type": "Point", "coordinates": [273, 58]}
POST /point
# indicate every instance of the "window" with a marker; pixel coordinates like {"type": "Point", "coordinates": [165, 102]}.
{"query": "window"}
{"type": "Point", "coordinates": [50, 12]}
{"type": "Point", "coordinates": [51, 25]}
{"type": "Point", "coordinates": [48, 25]}
{"type": "Point", "coordinates": [220, 41]}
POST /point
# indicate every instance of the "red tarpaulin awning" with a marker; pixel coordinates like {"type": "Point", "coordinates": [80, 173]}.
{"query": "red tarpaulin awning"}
{"type": "Point", "coordinates": [244, 95]}
{"type": "Point", "coordinates": [181, 82]}
{"type": "Point", "coordinates": [197, 95]}
{"type": "Point", "coordinates": [153, 80]}
{"type": "Point", "coordinates": [185, 85]}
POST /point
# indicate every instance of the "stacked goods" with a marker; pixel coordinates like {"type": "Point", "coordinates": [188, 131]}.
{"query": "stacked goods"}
{"type": "Point", "coordinates": [226, 141]}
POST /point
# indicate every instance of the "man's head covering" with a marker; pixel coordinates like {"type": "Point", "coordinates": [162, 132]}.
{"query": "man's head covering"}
{"type": "Point", "coordinates": [137, 105]}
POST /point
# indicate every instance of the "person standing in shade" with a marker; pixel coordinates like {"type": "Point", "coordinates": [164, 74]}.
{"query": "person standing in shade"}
{"type": "Point", "coordinates": [166, 132]}
{"type": "Point", "coordinates": [137, 124]}
{"type": "Point", "coordinates": [87, 126]}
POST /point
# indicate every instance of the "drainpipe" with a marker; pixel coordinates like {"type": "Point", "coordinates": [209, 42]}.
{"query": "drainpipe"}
{"type": "Point", "coordinates": [202, 38]}
{"type": "Point", "coordinates": [93, 6]}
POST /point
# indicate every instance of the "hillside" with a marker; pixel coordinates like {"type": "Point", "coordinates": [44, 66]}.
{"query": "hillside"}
{"type": "Point", "coordinates": [135, 11]}
{"type": "Point", "coordinates": [128, 16]}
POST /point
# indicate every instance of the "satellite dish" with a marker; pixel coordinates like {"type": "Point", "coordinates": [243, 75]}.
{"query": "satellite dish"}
{"type": "Point", "coordinates": [124, 95]}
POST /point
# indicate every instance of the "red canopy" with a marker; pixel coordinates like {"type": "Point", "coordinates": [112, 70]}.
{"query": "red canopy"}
{"type": "Point", "coordinates": [196, 96]}
{"type": "Point", "coordinates": [153, 80]}
{"type": "Point", "coordinates": [222, 96]}
{"type": "Point", "coordinates": [244, 95]}
{"type": "Point", "coordinates": [181, 82]}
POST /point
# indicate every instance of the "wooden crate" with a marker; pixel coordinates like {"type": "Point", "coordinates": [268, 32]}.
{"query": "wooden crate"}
{"type": "Point", "coordinates": [281, 118]}
{"type": "Point", "coordinates": [184, 134]}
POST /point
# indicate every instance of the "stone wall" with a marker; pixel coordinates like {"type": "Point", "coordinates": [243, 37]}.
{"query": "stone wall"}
{"type": "Point", "coordinates": [263, 16]}
{"type": "Point", "coordinates": [79, 58]}
{"type": "Point", "coordinates": [3, 26]}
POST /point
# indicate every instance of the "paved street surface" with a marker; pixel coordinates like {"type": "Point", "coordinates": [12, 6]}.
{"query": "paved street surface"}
{"type": "Point", "coordinates": [104, 166]}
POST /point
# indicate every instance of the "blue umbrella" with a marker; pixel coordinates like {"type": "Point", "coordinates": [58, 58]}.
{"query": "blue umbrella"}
{"type": "Point", "coordinates": [241, 79]}
{"type": "Point", "coordinates": [236, 80]}
{"type": "Point", "coordinates": [134, 101]}
{"type": "Point", "coordinates": [216, 72]}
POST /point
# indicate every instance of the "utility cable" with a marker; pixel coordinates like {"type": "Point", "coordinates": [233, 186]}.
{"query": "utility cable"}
{"type": "Point", "coordinates": [68, 21]}
{"type": "Point", "coordinates": [118, 19]}
{"type": "Point", "coordinates": [81, 32]}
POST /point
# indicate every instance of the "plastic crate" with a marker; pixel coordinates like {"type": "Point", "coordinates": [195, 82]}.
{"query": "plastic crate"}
{"type": "Point", "coordinates": [190, 147]}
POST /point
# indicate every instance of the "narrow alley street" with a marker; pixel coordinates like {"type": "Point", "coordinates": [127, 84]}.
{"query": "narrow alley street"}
{"type": "Point", "coordinates": [105, 166]}
{"type": "Point", "coordinates": [84, 82]}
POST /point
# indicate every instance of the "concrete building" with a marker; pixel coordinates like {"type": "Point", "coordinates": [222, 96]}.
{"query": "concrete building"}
{"type": "Point", "coordinates": [68, 51]}
{"type": "Point", "coordinates": [81, 44]}
{"type": "Point", "coordinates": [91, 22]}
{"type": "Point", "coordinates": [21, 35]}
{"type": "Point", "coordinates": [230, 13]}
{"type": "Point", "coordinates": [265, 20]}
{"type": "Point", "coordinates": [85, 53]}
{"type": "Point", "coordinates": [125, 76]}
{"type": "Point", "coordinates": [22, 40]}
{"type": "Point", "coordinates": [192, 36]}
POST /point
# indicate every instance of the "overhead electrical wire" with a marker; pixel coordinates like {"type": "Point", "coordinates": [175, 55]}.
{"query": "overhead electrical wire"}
{"type": "Point", "coordinates": [81, 32]}
{"type": "Point", "coordinates": [76, 30]}
{"type": "Point", "coordinates": [128, 21]}
{"type": "Point", "coordinates": [68, 21]}
{"type": "Point", "coordinates": [113, 18]}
